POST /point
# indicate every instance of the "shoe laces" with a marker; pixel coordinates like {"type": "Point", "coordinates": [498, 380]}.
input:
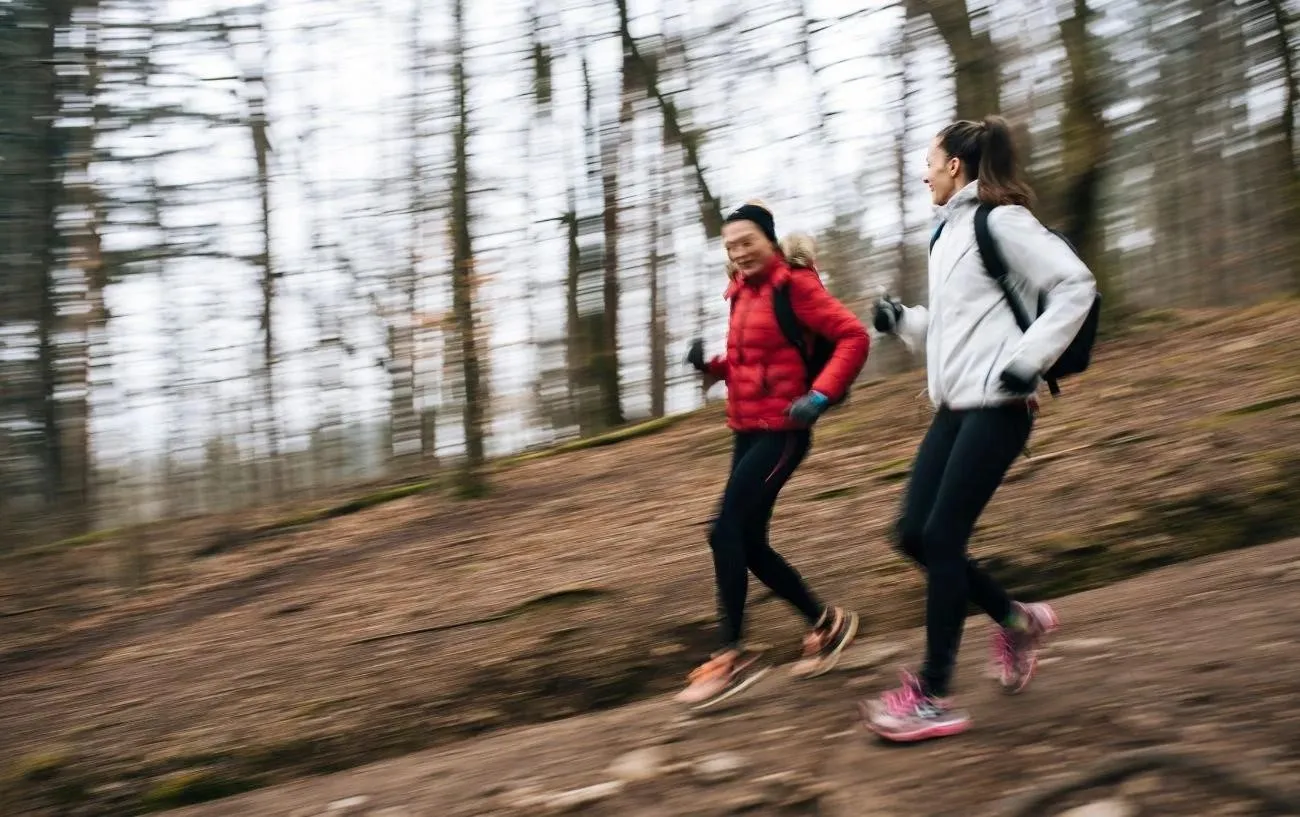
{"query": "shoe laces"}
{"type": "Point", "coordinates": [712, 668]}
{"type": "Point", "coordinates": [818, 637]}
{"type": "Point", "coordinates": [904, 700]}
{"type": "Point", "coordinates": [1004, 648]}
{"type": "Point", "coordinates": [813, 643]}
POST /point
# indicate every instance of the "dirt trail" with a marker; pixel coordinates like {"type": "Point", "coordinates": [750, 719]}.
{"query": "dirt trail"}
{"type": "Point", "coordinates": [1202, 658]}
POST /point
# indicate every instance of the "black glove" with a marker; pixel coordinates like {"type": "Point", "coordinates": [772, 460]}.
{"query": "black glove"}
{"type": "Point", "coordinates": [886, 313]}
{"type": "Point", "coordinates": [695, 357]}
{"type": "Point", "coordinates": [1018, 381]}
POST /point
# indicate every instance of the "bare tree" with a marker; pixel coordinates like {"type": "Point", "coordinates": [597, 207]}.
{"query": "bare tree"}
{"type": "Point", "coordinates": [1086, 141]}
{"type": "Point", "coordinates": [658, 316]}
{"type": "Point", "coordinates": [473, 477]}
{"type": "Point", "coordinates": [675, 133]}
{"type": "Point", "coordinates": [256, 90]}
{"type": "Point", "coordinates": [612, 139]}
{"type": "Point", "coordinates": [403, 418]}
{"type": "Point", "coordinates": [1283, 21]}
{"type": "Point", "coordinates": [976, 64]}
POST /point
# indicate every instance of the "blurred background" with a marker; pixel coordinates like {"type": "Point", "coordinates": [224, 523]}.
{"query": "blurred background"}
{"type": "Point", "coordinates": [252, 253]}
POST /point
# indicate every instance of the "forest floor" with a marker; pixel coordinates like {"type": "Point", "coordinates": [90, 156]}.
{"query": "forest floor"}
{"type": "Point", "coordinates": [1197, 660]}
{"type": "Point", "coordinates": [583, 583]}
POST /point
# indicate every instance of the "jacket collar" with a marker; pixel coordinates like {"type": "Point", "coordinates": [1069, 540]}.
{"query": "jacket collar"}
{"type": "Point", "coordinates": [968, 196]}
{"type": "Point", "coordinates": [775, 272]}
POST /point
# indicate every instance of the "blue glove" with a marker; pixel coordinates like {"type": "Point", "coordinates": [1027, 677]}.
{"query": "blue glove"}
{"type": "Point", "coordinates": [809, 407]}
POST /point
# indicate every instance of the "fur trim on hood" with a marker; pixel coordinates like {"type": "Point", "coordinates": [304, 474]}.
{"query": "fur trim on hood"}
{"type": "Point", "coordinates": [800, 250]}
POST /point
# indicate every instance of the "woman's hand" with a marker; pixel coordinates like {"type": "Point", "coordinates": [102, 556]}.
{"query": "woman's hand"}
{"type": "Point", "coordinates": [886, 313]}
{"type": "Point", "coordinates": [809, 407]}
{"type": "Point", "coordinates": [695, 357]}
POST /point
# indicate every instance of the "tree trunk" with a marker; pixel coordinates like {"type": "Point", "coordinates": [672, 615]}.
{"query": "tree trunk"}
{"type": "Point", "coordinates": [591, 208]}
{"type": "Point", "coordinates": [658, 318]}
{"type": "Point", "coordinates": [403, 417]}
{"type": "Point", "coordinates": [648, 77]}
{"type": "Point", "coordinates": [575, 345]}
{"type": "Point", "coordinates": [47, 192]}
{"type": "Point", "coordinates": [607, 359]}
{"type": "Point", "coordinates": [1085, 146]}
{"type": "Point", "coordinates": [1284, 22]}
{"type": "Point", "coordinates": [909, 285]}
{"type": "Point", "coordinates": [258, 131]}
{"type": "Point", "coordinates": [976, 63]}
{"type": "Point", "coordinates": [85, 338]}
{"type": "Point", "coordinates": [473, 479]}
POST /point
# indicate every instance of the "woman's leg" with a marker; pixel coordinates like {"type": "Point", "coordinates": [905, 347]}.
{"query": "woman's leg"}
{"type": "Point", "coordinates": [987, 443]}
{"type": "Point", "coordinates": [730, 670]}
{"type": "Point", "coordinates": [727, 536]}
{"type": "Point", "coordinates": [918, 504]}
{"type": "Point", "coordinates": [772, 462]}
{"type": "Point", "coordinates": [831, 629]}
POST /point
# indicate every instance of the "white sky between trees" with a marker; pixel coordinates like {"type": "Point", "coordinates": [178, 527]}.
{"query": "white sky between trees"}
{"type": "Point", "coordinates": [351, 89]}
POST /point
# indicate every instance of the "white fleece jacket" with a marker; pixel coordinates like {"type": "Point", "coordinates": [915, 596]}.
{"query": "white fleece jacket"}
{"type": "Point", "coordinates": [970, 332]}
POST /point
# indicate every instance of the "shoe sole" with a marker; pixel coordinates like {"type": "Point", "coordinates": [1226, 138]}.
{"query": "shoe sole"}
{"type": "Point", "coordinates": [829, 662]}
{"type": "Point", "coordinates": [732, 691]}
{"type": "Point", "coordinates": [912, 735]}
{"type": "Point", "coordinates": [1051, 625]}
{"type": "Point", "coordinates": [918, 735]}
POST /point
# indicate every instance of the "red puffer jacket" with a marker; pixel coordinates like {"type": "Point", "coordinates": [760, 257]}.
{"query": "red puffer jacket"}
{"type": "Point", "coordinates": [763, 372]}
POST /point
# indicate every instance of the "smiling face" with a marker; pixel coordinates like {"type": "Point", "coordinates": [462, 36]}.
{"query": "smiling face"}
{"type": "Point", "coordinates": [943, 173]}
{"type": "Point", "coordinates": [747, 248]}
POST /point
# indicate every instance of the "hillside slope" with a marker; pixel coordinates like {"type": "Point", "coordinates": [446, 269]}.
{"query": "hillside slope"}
{"type": "Point", "coordinates": [1155, 666]}
{"type": "Point", "coordinates": [584, 581]}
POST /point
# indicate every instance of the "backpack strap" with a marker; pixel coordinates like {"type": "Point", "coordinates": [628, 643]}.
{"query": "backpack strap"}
{"type": "Point", "coordinates": [789, 322]}
{"type": "Point", "coordinates": [997, 268]}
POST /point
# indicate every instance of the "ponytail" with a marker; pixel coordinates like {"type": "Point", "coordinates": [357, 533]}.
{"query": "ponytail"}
{"type": "Point", "coordinates": [998, 174]}
{"type": "Point", "coordinates": [988, 154]}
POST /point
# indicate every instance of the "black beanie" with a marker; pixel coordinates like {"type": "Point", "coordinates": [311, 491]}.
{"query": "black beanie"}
{"type": "Point", "coordinates": [757, 214]}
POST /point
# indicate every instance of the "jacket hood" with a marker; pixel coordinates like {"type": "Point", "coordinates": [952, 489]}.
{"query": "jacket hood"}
{"type": "Point", "coordinates": [800, 250]}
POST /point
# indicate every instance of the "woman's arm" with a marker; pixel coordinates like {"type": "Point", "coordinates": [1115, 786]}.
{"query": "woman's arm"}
{"type": "Point", "coordinates": [818, 310]}
{"type": "Point", "coordinates": [1050, 267]}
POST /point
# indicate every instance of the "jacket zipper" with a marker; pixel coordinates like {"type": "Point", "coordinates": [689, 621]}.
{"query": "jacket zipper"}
{"type": "Point", "coordinates": [740, 329]}
{"type": "Point", "coordinates": [935, 326]}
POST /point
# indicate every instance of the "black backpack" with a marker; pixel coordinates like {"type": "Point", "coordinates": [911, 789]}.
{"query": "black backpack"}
{"type": "Point", "coordinates": [1078, 354]}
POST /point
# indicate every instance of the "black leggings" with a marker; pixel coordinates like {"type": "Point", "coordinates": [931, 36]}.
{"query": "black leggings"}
{"type": "Point", "coordinates": [959, 466]}
{"type": "Point", "coordinates": [761, 463]}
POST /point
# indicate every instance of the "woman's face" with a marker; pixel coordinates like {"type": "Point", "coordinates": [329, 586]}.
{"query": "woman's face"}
{"type": "Point", "coordinates": [941, 172]}
{"type": "Point", "coordinates": [746, 246]}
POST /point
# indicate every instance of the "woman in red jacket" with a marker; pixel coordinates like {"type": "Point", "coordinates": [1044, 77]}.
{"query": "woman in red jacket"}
{"type": "Point", "coordinates": [771, 407]}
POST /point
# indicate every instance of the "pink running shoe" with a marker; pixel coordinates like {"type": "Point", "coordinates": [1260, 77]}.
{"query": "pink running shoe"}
{"type": "Point", "coordinates": [1015, 651]}
{"type": "Point", "coordinates": [907, 714]}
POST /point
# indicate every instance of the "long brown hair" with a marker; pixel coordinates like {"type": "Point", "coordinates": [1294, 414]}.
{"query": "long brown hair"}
{"type": "Point", "coordinates": [988, 153]}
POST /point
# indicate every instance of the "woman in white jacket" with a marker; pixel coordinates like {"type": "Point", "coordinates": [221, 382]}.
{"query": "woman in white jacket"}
{"type": "Point", "coordinates": [983, 373]}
